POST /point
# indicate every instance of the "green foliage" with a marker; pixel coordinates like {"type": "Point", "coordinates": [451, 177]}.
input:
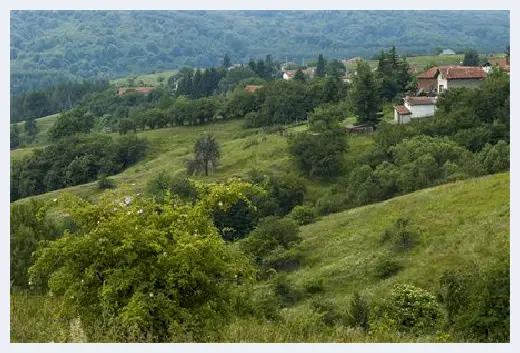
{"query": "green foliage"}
{"type": "Point", "coordinates": [161, 185]}
{"type": "Point", "coordinates": [320, 67]}
{"type": "Point", "coordinates": [71, 123]}
{"type": "Point", "coordinates": [236, 221]}
{"type": "Point", "coordinates": [125, 271]}
{"type": "Point", "coordinates": [303, 215]}
{"type": "Point", "coordinates": [329, 313]}
{"type": "Point", "coordinates": [387, 266]}
{"type": "Point", "coordinates": [314, 287]}
{"type": "Point", "coordinates": [73, 160]}
{"type": "Point", "coordinates": [471, 58]}
{"type": "Point", "coordinates": [270, 233]}
{"type": "Point", "coordinates": [105, 182]}
{"type": "Point", "coordinates": [495, 158]}
{"type": "Point", "coordinates": [287, 293]}
{"type": "Point", "coordinates": [30, 127]}
{"type": "Point", "coordinates": [207, 153]}
{"type": "Point", "coordinates": [414, 309]}
{"type": "Point", "coordinates": [401, 235]}
{"type": "Point", "coordinates": [319, 154]}
{"type": "Point", "coordinates": [365, 94]}
{"type": "Point", "coordinates": [28, 226]}
{"type": "Point", "coordinates": [359, 312]}
{"type": "Point", "coordinates": [299, 75]}
{"type": "Point", "coordinates": [393, 72]}
{"type": "Point", "coordinates": [14, 137]}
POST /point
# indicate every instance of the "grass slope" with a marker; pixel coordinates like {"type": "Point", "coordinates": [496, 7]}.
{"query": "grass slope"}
{"type": "Point", "coordinates": [241, 150]}
{"type": "Point", "coordinates": [461, 223]}
{"type": "Point", "coordinates": [458, 224]}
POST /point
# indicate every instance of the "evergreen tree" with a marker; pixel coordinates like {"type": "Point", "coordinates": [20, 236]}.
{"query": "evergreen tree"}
{"type": "Point", "coordinates": [299, 75]}
{"type": "Point", "coordinates": [393, 57]}
{"type": "Point", "coordinates": [270, 68]}
{"type": "Point", "coordinates": [227, 61]}
{"type": "Point", "coordinates": [197, 84]}
{"type": "Point", "coordinates": [252, 65]}
{"type": "Point", "coordinates": [365, 95]}
{"type": "Point", "coordinates": [261, 68]}
{"type": "Point", "coordinates": [30, 127]}
{"type": "Point", "coordinates": [320, 67]}
{"type": "Point", "coordinates": [471, 58]}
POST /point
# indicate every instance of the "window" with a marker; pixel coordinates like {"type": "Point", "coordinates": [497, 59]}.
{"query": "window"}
{"type": "Point", "coordinates": [441, 88]}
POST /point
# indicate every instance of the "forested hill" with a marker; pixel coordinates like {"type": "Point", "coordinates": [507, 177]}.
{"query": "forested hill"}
{"type": "Point", "coordinates": [48, 46]}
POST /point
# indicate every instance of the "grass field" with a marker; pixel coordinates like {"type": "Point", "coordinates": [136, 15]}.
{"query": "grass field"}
{"type": "Point", "coordinates": [146, 80]}
{"type": "Point", "coordinates": [458, 224]}
{"type": "Point", "coordinates": [241, 150]}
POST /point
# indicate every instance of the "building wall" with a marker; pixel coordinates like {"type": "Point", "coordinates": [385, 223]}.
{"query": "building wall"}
{"type": "Point", "coordinates": [421, 111]}
{"type": "Point", "coordinates": [471, 83]}
{"type": "Point", "coordinates": [441, 81]}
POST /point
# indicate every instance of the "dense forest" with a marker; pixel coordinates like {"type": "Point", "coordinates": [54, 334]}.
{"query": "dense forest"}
{"type": "Point", "coordinates": [48, 47]}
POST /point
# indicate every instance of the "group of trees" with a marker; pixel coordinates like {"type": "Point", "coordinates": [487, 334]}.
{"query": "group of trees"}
{"type": "Point", "coordinates": [71, 161]}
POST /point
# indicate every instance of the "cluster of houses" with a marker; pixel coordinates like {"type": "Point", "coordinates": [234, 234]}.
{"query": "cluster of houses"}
{"type": "Point", "coordinates": [436, 80]}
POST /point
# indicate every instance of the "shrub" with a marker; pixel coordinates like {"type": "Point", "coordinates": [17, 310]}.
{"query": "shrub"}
{"type": "Point", "coordinates": [104, 182]}
{"type": "Point", "coordinates": [282, 259]}
{"type": "Point", "coordinates": [359, 312]}
{"type": "Point", "coordinates": [303, 215]}
{"type": "Point", "coordinates": [271, 233]}
{"type": "Point", "coordinates": [236, 221]}
{"type": "Point", "coordinates": [286, 292]}
{"type": "Point", "coordinates": [330, 315]}
{"type": "Point", "coordinates": [386, 266]}
{"type": "Point", "coordinates": [331, 204]}
{"type": "Point", "coordinates": [315, 286]}
{"type": "Point", "coordinates": [164, 183]}
{"type": "Point", "coordinates": [414, 309]}
{"type": "Point", "coordinates": [401, 235]}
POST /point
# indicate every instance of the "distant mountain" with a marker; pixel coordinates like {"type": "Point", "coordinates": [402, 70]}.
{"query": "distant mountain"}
{"type": "Point", "coordinates": [49, 46]}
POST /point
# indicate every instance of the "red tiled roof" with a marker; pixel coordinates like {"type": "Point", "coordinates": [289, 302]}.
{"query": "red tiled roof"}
{"type": "Point", "coordinates": [454, 72]}
{"type": "Point", "coordinates": [123, 90]}
{"type": "Point", "coordinates": [402, 110]}
{"type": "Point", "coordinates": [420, 100]}
{"type": "Point", "coordinates": [252, 88]}
{"type": "Point", "coordinates": [425, 86]}
{"type": "Point", "coordinates": [461, 72]}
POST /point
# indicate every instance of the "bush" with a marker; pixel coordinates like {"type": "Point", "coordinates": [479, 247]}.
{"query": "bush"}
{"type": "Point", "coordinates": [359, 312]}
{"type": "Point", "coordinates": [303, 215]}
{"type": "Point", "coordinates": [272, 232]}
{"type": "Point", "coordinates": [330, 315]}
{"type": "Point", "coordinates": [414, 309]}
{"type": "Point", "coordinates": [164, 183]}
{"type": "Point", "coordinates": [287, 294]}
{"type": "Point", "coordinates": [281, 259]}
{"type": "Point", "coordinates": [315, 286]}
{"type": "Point", "coordinates": [104, 182]}
{"type": "Point", "coordinates": [331, 204]}
{"type": "Point", "coordinates": [386, 266]}
{"type": "Point", "coordinates": [401, 235]}
{"type": "Point", "coordinates": [236, 221]}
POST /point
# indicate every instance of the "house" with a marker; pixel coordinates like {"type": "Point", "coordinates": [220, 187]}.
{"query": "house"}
{"type": "Point", "coordinates": [414, 108]}
{"type": "Point", "coordinates": [501, 63]}
{"type": "Point", "coordinates": [436, 79]}
{"type": "Point", "coordinates": [309, 72]}
{"type": "Point", "coordinates": [353, 60]}
{"type": "Point", "coordinates": [459, 76]}
{"type": "Point", "coordinates": [447, 52]}
{"type": "Point", "coordinates": [144, 90]}
{"type": "Point", "coordinates": [252, 88]}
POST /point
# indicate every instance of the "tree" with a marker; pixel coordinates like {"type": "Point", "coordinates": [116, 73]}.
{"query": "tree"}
{"type": "Point", "coordinates": [15, 136]}
{"type": "Point", "coordinates": [207, 153]}
{"type": "Point", "coordinates": [299, 75]}
{"type": "Point", "coordinates": [227, 61]}
{"type": "Point", "coordinates": [365, 95]}
{"type": "Point", "coordinates": [320, 67]}
{"type": "Point", "coordinates": [144, 271]}
{"type": "Point", "coordinates": [471, 58]}
{"type": "Point", "coordinates": [30, 127]}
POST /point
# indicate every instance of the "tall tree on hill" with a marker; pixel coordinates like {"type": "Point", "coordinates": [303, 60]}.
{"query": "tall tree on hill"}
{"type": "Point", "coordinates": [365, 95]}
{"type": "Point", "coordinates": [320, 67]}
{"type": "Point", "coordinates": [252, 65]}
{"type": "Point", "coordinates": [270, 68]}
{"type": "Point", "coordinates": [197, 81]}
{"type": "Point", "coordinates": [299, 75]}
{"type": "Point", "coordinates": [471, 58]}
{"type": "Point", "coordinates": [227, 61]}
{"type": "Point", "coordinates": [207, 153]}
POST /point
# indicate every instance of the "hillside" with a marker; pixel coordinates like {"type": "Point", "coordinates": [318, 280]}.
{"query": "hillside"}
{"type": "Point", "coordinates": [48, 46]}
{"type": "Point", "coordinates": [466, 223]}
{"type": "Point", "coordinates": [461, 224]}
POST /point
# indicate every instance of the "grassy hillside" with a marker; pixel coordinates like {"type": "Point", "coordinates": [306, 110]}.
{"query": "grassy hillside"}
{"type": "Point", "coordinates": [466, 223]}
{"type": "Point", "coordinates": [241, 149]}
{"type": "Point", "coordinates": [50, 45]}
{"type": "Point", "coordinates": [458, 224]}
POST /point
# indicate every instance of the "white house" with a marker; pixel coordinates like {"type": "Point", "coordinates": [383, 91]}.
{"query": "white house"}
{"type": "Point", "coordinates": [459, 76]}
{"type": "Point", "coordinates": [414, 108]}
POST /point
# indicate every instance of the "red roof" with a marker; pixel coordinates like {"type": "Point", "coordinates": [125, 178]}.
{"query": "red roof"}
{"type": "Point", "coordinates": [402, 110]}
{"type": "Point", "coordinates": [454, 72]}
{"type": "Point", "coordinates": [252, 88]}
{"type": "Point", "coordinates": [500, 62]}
{"type": "Point", "coordinates": [123, 90]}
{"type": "Point", "coordinates": [420, 100]}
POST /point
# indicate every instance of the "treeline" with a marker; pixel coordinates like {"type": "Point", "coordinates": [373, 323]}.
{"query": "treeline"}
{"type": "Point", "coordinates": [71, 161]}
{"type": "Point", "coordinates": [53, 99]}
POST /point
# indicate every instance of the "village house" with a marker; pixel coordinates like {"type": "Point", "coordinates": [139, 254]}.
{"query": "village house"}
{"type": "Point", "coordinates": [144, 90]}
{"type": "Point", "coordinates": [252, 88]}
{"type": "Point", "coordinates": [414, 108]}
{"type": "Point", "coordinates": [447, 52]}
{"type": "Point", "coordinates": [352, 60]}
{"type": "Point", "coordinates": [439, 78]}
{"type": "Point", "coordinates": [500, 63]}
